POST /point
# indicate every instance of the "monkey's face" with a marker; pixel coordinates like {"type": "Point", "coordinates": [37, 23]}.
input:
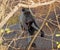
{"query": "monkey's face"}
{"type": "Point", "coordinates": [26, 12]}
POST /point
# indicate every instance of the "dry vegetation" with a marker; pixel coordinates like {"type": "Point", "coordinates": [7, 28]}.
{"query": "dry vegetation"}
{"type": "Point", "coordinates": [10, 11]}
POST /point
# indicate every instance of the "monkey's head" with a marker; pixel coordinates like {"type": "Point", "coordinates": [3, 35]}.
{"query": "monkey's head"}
{"type": "Point", "coordinates": [26, 11]}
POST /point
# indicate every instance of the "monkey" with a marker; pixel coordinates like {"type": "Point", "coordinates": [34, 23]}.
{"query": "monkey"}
{"type": "Point", "coordinates": [27, 19]}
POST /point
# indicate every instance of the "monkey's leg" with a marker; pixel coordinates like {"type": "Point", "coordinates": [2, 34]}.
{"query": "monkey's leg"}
{"type": "Point", "coordinates": [31, 32]}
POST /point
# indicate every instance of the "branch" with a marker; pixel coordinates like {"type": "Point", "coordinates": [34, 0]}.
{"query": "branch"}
{"type": "Point", "coordinates": [38, 4]}
{"type": "Point", "coordinates": [32, 2]}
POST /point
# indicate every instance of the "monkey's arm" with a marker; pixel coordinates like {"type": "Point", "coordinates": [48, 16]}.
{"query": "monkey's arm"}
{"type": "Point", "coordinates": [22, 22]}
{"type": "Point", "coordinates": [36, 24]}
{"type": "Point", "coordinates": [25, 26]}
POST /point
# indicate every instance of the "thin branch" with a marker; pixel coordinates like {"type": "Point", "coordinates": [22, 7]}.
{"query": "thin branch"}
{"type": "Point", "coordinates": [31, 1]}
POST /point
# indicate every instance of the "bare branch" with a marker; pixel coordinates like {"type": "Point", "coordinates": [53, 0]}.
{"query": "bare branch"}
{"type": "Point", "coordinates": [32, 2]}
